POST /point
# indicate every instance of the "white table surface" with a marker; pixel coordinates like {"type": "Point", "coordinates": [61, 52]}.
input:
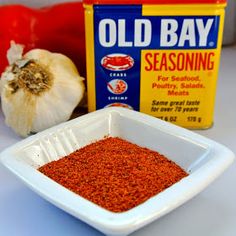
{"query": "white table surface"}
{"type": "Point", "coordinates": [210, 213]}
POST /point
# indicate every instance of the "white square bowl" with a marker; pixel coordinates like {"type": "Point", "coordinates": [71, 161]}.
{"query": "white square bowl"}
{"type": "Point", "coordinates": [202, 158]}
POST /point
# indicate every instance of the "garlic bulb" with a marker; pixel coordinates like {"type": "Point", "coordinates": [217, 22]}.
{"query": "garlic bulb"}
{"type": "Point", "coordinates": [39, 90]}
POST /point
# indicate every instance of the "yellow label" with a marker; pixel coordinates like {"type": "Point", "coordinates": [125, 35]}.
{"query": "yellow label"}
{"type": "Point", "coordinates": [90, 58]}
{"type": "Point", "coordinates": [179, 85]}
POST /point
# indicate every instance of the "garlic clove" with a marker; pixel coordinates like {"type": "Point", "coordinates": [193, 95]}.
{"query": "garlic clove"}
{"type": "Point", "coordinates": [19, 112]}
{"type": "Point", "coordinates": [55, 106]}
{"type": "Point", "coordinates": [15, 52]}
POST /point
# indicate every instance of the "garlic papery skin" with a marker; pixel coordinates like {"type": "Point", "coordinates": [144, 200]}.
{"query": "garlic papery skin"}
{"type": "Point", "coordinates": [39, 91]}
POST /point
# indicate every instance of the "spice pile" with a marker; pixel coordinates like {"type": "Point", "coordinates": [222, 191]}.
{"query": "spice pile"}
{"type": "Point", "coordinates": [114, 173]}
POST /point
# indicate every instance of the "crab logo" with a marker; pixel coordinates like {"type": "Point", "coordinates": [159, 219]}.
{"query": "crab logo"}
{"type": "Point", "coordinates": [117, 62]}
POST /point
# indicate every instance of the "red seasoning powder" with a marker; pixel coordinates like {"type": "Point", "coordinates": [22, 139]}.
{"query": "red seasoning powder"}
{"type": "Point", "coordinates": [114, 173]}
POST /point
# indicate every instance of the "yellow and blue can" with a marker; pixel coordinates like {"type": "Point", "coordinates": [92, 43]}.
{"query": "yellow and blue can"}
{"type": "Point", "coordinates": [154, 56]}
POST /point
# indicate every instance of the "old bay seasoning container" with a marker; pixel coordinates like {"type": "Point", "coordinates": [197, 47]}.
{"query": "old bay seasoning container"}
{"type": "Point", "coordinates": [159, 57]}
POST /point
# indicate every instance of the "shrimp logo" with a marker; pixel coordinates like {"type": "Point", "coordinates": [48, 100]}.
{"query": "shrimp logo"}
{"type": "Point", "coordinates": [117, 86]}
